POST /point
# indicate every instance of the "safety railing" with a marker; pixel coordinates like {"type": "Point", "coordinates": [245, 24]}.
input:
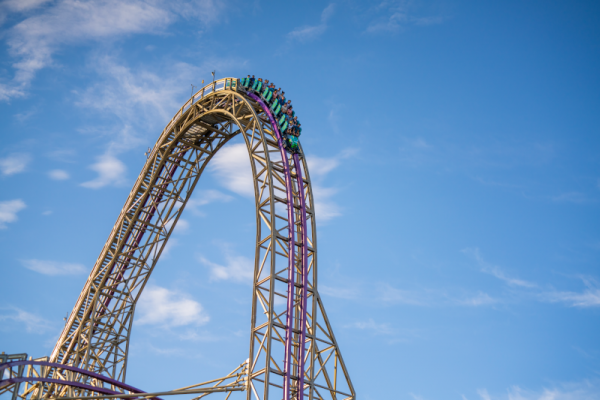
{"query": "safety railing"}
{"type": "Point", "coordinates": [216, 86]}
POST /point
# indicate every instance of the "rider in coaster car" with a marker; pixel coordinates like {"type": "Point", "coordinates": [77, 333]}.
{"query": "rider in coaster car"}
{"type": "Point", "coordinates": [257, 86]}
{"type": "Point", "coordinates": [293, 128]}
{"type": "Point", "coordinates": [266, 94]}
{"type": "Point", "coordinates": [251, 81]}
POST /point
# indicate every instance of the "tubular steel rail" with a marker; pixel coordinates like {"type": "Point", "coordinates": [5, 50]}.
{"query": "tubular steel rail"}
{"type": "Point", "coordinates": [293, 351]}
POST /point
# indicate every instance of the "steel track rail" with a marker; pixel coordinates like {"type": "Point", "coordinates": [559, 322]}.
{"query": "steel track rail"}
{"type": "Point", "coordinates": [293, 352]}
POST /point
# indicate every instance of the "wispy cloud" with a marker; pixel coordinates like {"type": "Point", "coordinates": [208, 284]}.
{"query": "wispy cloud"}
{"type": "Point", "coordinates": [590, 297]}
{"type": "Point", "coordinates": [348, 293]}
{"type": "Point", "coordinates": [495, 270]}
{"type": "Point", "coordinates": [9, 210]}
{"type": "Point", "coordinates": [483, 394]}
{"type": "Point", "coordinates": [325, 207]}
{"type": "Point", "coordinates": [34, 40]}
{"type": "Point", "coordinates": [23, 5]}
{"type": "Point", "coordinates": [572, 197]}
{"type": "Point", "coordinates": [320, 167]}
{"type": "Point", "coordinates": [396, 16]}
{"type": "Point", "coordinates": [111, 171]}
{"type": "Point", "coordinates": [237, 269]}
{"type": "Point", "coordinates": [480, 299]}
{"type": "Point", "coordinates": [58, 174]}
{"type": "Point", "coordinates": [428, 297]}
{"type": "Point", "coordinates": [204, 197]}
{"type": "Point", "coordinates": [310, 32]}
{"type": "Point", "coordinates": [392, 295]}
{"type": "Point", "coordinates": [127, 92]}
{"type": "Point", "coordinates": [169, 308]}
{"type": "Point", "coordinates": [372, 326]}
{"type": "Point", "coordinates": [33, 323]}
{"type": "Point", "coordinates": [232, 166]}
{"type": "Point", "coordinates": [586, 390]}
{"type": "Point", "coordinates": [134, 101]}
{"type": "Point", "coordinates": [14, 163]}
{"type": "Point", "coordinates": [53, 267]}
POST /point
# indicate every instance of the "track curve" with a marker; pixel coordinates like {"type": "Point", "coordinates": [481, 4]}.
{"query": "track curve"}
{"type": "Point", "coordinates": [299, 336]}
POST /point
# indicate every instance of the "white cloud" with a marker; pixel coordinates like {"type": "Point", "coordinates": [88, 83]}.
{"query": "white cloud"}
{"type": "Point", "coordinates": [586, 390]}
{"type": "Point", "coordinates": [14, 163]}
{"type": "Point", "coordinates": [183, 226]}
{"type": "Point", "coordinates": [127, 93]}
{"type": "Point", "coordinates": [431, 297]}
{"type": "Point", "coordinates": [310, 32]}
{"type": "Point", "coordinates": [319, 167]}
{"type": "Point", "coordinates": [136, 101]}
{"type": "Point", "coordinates": [110, 171]}
{"type": "Point", "coordinates": [339, 292]}
{"type": "Point", "coordinates": [397, 16]}
{"type": "Point", "coordinates": [204, 197]}
{"type": "Point", "coordinates": [590, 297]}
{"type": "Point", "coordinates": [33, 323]}
{"type": "Point", "coordinates": [9, 210]}
{"type": "Point", "coordinates": [370, 325]}
{"type": "Point", "coordinates": [325, 208]}
{"type": "Point", "coordinates": [237, 269]}
{"type": "Point", "coordinates": [53, 267]}
{"type": "Point", "coordinates": [483, 394]}
{"type": "Point", "coordinates": [232, 167]}
{"type": "Point", "coordinates": [389, 294]}
{"type": "Point", "coordinates": [231, 164]}
{"type": "Point", "coordinates": [171, 244]}
{"type": "Point", "coordinates": [23, 5]}
{"type": "Point", "coordinates": [58, 174]}
{"type": "Point", "coordinates": [207, 11]}
{"type": "Point", "coordinates": [494, 270]}
{"type": "Point", "coordinates": [169, 308]}
{"type": "Point", "coordinates": [34, 40]}
{"type": "Point", "coordinates": [480, 299]}
{"type": "Point", "coordinates": [571, 197]}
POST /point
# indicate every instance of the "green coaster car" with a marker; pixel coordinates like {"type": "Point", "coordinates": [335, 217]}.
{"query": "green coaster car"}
{"type": "Point", "coordinates": [291, 144]}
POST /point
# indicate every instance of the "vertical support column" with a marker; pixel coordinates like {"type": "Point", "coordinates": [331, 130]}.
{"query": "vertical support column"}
{"type": "Point", "coordinates": [287, 365]}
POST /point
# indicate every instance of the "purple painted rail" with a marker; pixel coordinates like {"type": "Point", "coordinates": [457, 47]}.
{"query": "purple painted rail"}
{"type": "Point", "coordinates": [103, 378]}
{"type": "Point", "coordinates": [292, 256]}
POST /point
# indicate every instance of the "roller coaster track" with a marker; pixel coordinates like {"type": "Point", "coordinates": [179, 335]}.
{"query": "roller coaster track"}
{"type": "Point", "coordinates": [293, 352]}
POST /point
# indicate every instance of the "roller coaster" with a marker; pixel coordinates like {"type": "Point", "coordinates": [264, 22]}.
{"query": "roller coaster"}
{"type": "Point", "coordinates": [293, 352]}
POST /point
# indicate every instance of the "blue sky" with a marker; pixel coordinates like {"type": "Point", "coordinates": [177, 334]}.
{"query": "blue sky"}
{"type": "Point", "coordinates": [454, 150]}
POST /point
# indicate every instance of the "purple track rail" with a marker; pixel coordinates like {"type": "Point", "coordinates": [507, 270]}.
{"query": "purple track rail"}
{"type": "Point", "coordinates": [291, 275]}
{"type": "Point", "coordinates": [103, 378]}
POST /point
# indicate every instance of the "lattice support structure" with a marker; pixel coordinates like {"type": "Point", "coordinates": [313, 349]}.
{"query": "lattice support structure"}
{"type": "Point", "coordinates": [293, 351]}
